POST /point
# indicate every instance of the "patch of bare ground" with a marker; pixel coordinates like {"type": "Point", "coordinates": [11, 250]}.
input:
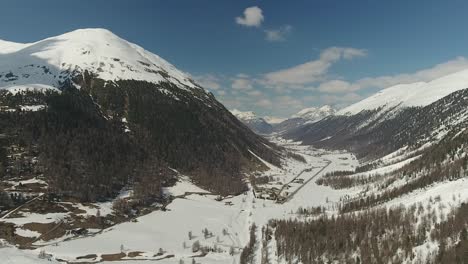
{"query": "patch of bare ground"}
{"type": "Point", "coordinates": [49, 231]}
{"type": "Point", "coordinates": [72, 209]}
{"type": "Point", "coordinates": [134, 254]}
{"type": "Point", "coordinates": [113, 257]}
{"type": "Point", "coordinates": [7, 232]}
{"type": "Point", "coordinates": [89, 256]}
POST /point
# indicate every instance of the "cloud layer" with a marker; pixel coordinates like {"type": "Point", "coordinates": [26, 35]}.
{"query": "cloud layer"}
{"type": "Point", "coordinates": [379, 82]}
{"type": "Point", "coordinates": [312, 83]}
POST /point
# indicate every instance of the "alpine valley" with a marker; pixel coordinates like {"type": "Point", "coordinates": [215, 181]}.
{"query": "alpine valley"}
{"type": "Point", "coordinates": [108, 153]}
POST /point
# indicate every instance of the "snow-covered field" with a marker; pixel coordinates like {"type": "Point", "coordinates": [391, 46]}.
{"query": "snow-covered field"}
{"type": "Point", "coordinates": [228, 221]}
{"type": "Point", "coordinates": [174, 232]}
{"type": "Point", "coordinates": [12, 255]}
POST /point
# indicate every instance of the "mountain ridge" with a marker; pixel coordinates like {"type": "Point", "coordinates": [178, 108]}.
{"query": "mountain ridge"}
{"type": "Point", "coordinates": [268, 125]}
{"type": "Point", "coordinates": [411, 95]}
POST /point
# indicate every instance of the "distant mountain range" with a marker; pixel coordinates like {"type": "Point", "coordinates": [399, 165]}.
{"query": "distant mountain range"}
{"type": "Point", "coordinates": [267, 125]}
{"type": "Point", "coordinates": [406, 115]}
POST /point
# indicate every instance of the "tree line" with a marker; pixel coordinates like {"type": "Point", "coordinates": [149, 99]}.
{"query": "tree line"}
{"type": "Point", "coordinates": [375, 236]}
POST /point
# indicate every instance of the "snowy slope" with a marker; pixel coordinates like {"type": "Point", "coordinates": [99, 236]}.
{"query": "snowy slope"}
{"type": "Point", "coordinates": [314, 114]}
{"type": "Point", "coordinates": [244, 116]}
{"type": "Point", "coordinates": [414, 94]}
{"type": "Point", "coordinates": [52, 60]}
{"type": "Point", "coordinates": [303, 117]}
{"type": "Point", "coordinates": [11, 255]}
{"type": "Point", "coordinates": [14, 89]}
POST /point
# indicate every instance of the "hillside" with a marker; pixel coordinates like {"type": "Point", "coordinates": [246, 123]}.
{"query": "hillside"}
{"type": "Point", "coordinates": [403, 115]}
{"type": "Point", "coordinates": [96, 100]}
{"type": "Point", "coordinates": [411, 95]}
{"type": "Point", "coordinates": [110, 154]}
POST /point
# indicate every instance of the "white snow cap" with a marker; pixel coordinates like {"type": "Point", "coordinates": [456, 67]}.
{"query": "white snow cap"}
{"type": "Point", "coordinates": [248, 115]}
{"type": "Point", "coordinates": [97, 50]}
{"type": "Point", "coordinates": [413, 94]}
{"type": "Point", "coordinates": [315, 113]}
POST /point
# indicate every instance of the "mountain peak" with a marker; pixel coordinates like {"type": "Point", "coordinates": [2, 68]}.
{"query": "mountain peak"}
{"type": "Point", "coordinates": [247, 115]}
{"type": "Point", "coordinates": [92, 31]}
{"type": "Point", "coordinates": [326, 108]}
{"type": "Point", "coordinates": [315, 113]}
{"type": "Point", "coordinates": [96, 50]}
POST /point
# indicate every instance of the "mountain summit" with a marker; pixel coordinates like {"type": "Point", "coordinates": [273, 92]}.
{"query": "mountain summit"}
{"type": "Point", "coordinates": [313, 114]}
{"type": "Point", "coordinates": [53, 60]}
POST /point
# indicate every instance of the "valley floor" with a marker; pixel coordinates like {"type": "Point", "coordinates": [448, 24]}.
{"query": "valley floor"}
{"type": "Point", "coordinates": [163, 236]}
{"type": "Point", "coordinates": [221, 227]}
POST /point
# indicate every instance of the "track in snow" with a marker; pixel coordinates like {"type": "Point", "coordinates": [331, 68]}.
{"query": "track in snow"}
{"type": "Point", "coordinates": [291, 195]}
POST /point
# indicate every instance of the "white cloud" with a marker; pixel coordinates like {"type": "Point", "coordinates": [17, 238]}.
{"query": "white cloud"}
{"type": "Point", "coordinates": [385, 81]}
{"type": "Point", "coordinates": [255, 93]}
{"type": "Point", "coordinates": [335, 86]}
{"type": "Point", "coordinates": [334, 54]}
{"type": "Point", "coordinates": [340, 99]}
{"type": "Point", "coordinates": [266, 103]}
{"type": "Point", "coordinates": [312, 83]}
{"type": "Point", "coordinates": [278, 34]}
{"type": "Point", "coordinates": [242, 84]}
{"type": "Point", "coordinates": [208, 81]}
{"type": "Point", "coordinates": [312, 71]}
{"type": "Point", "coordinates": [242, 75]}
{"type": "Point", "coordinates": [253, 17]}
{"type": "Point", "coordinates": [425, 75]}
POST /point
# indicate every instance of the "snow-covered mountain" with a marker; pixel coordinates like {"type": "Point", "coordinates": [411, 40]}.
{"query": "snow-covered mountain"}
{"type": "Point", "coordinates": [402, 115]}
{"type": "Point", "coordinates": [305, 116]}
{"type": "Point", "coordinates": [411, 95]}
{"type": "Point", "coordinates": [56, 59]}
{"type": "Point", "coordinates": [254, 122]}
{"type": "Point", "coordinates": [273, 120]}
{"type": "Point", "coordinates": [267, 125]}
{"type": "Point", "coordinates": [314, 114]}
{"type": "Point", "coordinates": [104, 85]}
{"type": "Point", "coordinates": [247, 115]}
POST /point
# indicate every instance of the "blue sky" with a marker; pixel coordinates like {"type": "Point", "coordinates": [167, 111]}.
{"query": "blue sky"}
{"type": "Point", "coordinates": [272, 57]}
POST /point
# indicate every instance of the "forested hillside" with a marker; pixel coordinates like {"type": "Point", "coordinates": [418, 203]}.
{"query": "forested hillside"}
{"type": "Point", "coordinates": [91, 142]}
